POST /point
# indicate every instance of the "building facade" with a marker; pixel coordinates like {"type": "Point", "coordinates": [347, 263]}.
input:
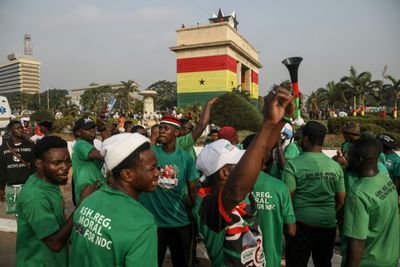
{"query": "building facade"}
{"type": "Point", "coordinates": [213, 59]}
{"type": "Point", "coordinates": [20, 74]}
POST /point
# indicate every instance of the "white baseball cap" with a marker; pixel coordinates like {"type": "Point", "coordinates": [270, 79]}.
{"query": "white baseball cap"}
{"type": "Point", "coordinates": [215, 155]}
{"type": "Point", "coordinates": [118, 147]}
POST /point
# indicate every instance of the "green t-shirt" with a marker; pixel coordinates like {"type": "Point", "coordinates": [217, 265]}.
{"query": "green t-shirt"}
{"type": "Point", "coordinates": [275, 208]}
{"type": "Point", "coordinates": [40, 211]}
{"type": "Point", "coordinates": [84, 170]}
{"type": "Point", "coordinates": [345, 148]}
{"type": "Point", "coordinates": [113, 229]}
{"type": "Point", "coordinates": [351, 177]}
{"type": "Point", "coordinates": [371, 214]}
{"type": "Point", "coordinates": [316, 179]}
{"type": "Point", "coordinates": [167, 202]}
{"type": "Point", "coordinates": [390, 162]}
{"type": "Point", "coordinates": [396, 169]}
{"type": "Point", "coordinates": [292, 150]}
{"type": "Point", "coordinates": [275, 172]}
{"type": "Point", "coordinates": [382, 157]}
{"type": "Point", "coordinates": [186, 142]}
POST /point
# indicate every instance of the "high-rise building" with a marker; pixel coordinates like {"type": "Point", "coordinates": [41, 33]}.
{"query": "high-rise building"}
{"type": "Point", "coordinates": [213, 59]}
{"type": "Point", "coordinates": [20, 74]}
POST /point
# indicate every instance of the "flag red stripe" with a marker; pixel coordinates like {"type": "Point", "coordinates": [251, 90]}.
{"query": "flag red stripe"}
{"type": "Point", "coordinates": [254, 77]}
{"type": "Point", "coordinates": [209, 63]}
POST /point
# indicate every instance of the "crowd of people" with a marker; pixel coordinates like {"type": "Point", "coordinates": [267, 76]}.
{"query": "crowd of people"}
{"type": "Point", "coordinates": [140, 192]}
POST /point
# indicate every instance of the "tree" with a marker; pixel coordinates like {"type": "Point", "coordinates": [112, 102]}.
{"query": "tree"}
{"type": "Point", "coordinates": [232, 109]}
{"type": "Point", "coordinates": [333, 96]}
{"type": "Point", "coordinates": [42, 115]}
{"type": "Point", "coordinates": [166, 98]}
{"type": "Point", "coordinates": [18, 100]}
{"type": "Point", "coordinates": [125, 94]}
{"type": "Point", "coordinates": [359, 85]}
{"type": "Point", "coordinates": [393, 91]}
{"type": "Point", "coordinates": [95, 98]}
{"type": "Point", "coordinates": [58, 98]}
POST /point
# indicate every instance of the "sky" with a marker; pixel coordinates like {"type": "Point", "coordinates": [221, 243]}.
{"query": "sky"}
{"type": "Point", "coordinates": [83, 41]}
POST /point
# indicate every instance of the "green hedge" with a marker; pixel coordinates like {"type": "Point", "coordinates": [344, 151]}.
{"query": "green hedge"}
{"type": "Point", "coordinates": [64, 122]}
{"type": "Point", "coordinates": [234, 110]}
{"type": "Point", "coordinates": [378, 126]}
{"type": "Point", "coordinates": [42, 115]}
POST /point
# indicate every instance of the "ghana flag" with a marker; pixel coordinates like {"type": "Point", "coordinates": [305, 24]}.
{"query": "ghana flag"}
{"type": "Point", "coordinates": [200, 78]}
{"type": "Point", "coordinates": [254, 85]}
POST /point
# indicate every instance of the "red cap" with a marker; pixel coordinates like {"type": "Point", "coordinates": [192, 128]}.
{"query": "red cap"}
{"type": "Point", "coordinates": [171, 120]}
{"type": "Point", "coordinates": [229, 133]}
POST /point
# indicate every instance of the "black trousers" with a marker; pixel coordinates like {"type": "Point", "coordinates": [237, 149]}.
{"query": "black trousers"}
{"type": "Point", "coordinates": [317, 241]}
{"type": "Point", "coordinates": [179, 242]}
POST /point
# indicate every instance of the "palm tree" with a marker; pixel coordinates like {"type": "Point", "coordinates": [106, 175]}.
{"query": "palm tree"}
{"type": "Point", "coordinates": [359, 85]}
{"type": "Point", "coordinates": [394, 91]}
{"type": "Point", "coordinates": [332, 95]}
{"type": "Point", "coordinates": [374, 89]}
{"type": "Point", "coordinates": [126, 91]}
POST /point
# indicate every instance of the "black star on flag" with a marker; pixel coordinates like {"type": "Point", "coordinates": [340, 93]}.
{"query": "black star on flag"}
{"type": "Point", "coordinates": [202, 81]}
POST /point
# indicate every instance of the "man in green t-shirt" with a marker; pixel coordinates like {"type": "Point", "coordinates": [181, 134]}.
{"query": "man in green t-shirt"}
{"type": "Point", "coordinates": [168, 203]}
{"type": "Point", "coordinates": [350, 132]}
{"type": "Point", "coordinates": [86, 159]}
{"type": "Point", "coordinates": [275, 209]}
{"type": "Point", "coordinates": [43, 232]}
{"type": "Point", "coordinates": [283, 154]}
{"type": "Point", "coordinates": [111, 227]}
{"type": "Point", "coordinates": [225, 211]}
{"type": "Point", "coordinates": [189, 135]}
{"type": "Point", "coordinates": [371, 215]}
{"type": "Point", "coordinates": [317, 187]}
{"type": "Point", "coordinates": [390, 155]}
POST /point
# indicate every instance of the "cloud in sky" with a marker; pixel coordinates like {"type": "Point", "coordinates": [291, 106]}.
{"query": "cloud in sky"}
{"type": "Point", "coordinates": [80, 42]}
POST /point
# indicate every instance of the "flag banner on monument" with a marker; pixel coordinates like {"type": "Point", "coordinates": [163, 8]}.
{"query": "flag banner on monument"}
{"type": "Point", "coordinates": [206, 81]}
{"type": "Point", "coordinates": [254, 84]}
{"type": "Point", "coordinates": [208, 63]}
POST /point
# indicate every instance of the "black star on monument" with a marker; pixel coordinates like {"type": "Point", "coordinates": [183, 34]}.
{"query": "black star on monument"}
{"type": "Point", "coordinates": [221, 18]}
{"type": "Point", "coordinates": [202, 81]}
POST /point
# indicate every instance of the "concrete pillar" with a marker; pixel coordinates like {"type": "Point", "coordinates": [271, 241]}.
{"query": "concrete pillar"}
{"type": "Point", "coordinates": [248, 80]}
{"type": "Point", "coordinates": [239, 73]}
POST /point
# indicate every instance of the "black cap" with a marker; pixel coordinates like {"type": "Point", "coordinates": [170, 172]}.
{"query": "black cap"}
{"type": "Point", "coordinates": [387, 141]}
{"type": "Point", "coordinates": [84, 123]}
{"type": "Point", "coordinates": [314, 129]}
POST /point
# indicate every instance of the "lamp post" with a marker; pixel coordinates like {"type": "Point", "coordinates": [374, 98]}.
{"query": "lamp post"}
{"type": "Point", "coordinates": [48, 99]}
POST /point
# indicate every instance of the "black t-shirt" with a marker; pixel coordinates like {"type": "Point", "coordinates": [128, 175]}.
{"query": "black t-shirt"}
{"type": "Point", "coordinates": [13, 170]}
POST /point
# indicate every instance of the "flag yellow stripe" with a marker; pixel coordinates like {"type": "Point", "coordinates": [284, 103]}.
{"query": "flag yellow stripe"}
{"type": "Point", "coordinates": [254, 90]}
{"type": "Point", "coordinates": [221, 80]}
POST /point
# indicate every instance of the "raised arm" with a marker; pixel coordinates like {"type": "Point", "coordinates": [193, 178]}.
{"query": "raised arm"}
{"type": "Point", "coordinates": [203, 120]}
{"type": "Point", "coordinates": [243, 177]}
